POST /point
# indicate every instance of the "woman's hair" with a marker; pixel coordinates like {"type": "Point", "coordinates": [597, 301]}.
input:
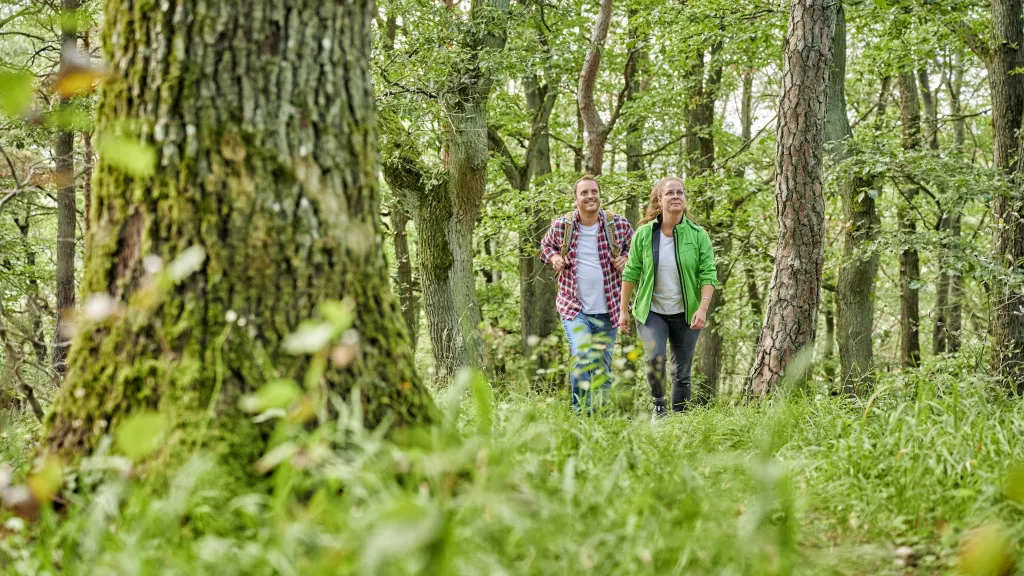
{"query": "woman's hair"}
{"type": "Point", "coordinates": [585, 178]}
{"type": "Point", "coordinates": [654, 205]}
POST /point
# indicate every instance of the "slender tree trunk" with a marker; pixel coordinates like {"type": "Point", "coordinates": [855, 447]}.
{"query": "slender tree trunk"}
{"type": "Point", "coordinates": [954, 318]}
{"type": "Point", "coordinates": [940, 315]}
{"type": "Point", "coordinates": [855, 310]}
{"type": "Point", "coordinates": [537, 282]}
{"type": "Point", "coordinates": [910, 272]}
{"type": "Point", "coordinates": [595, 131]}
{"type": "Point", "coordinates": [64, 155]}
{"type": "Point", "coordinates": [700, 151]}
{"type": "Point", "coordinates": [405, 284]}
{"type": "Point", "coordinates": [791, 318]}
{"type": "Point", "coordinates": [251, 194]}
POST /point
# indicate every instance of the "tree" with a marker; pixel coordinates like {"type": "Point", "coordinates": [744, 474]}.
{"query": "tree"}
{"type": "Point", "coordinates": [1003, 57]}
{"type": "Point", "coordinates": [272, 176]}
{"type": "Point", "coordinates": [910, 268]}
{"type": "Point", "coordinates": [64, 154]}
{"type": "Point", "coordinates": [791, 317]}
{"type": "Point", "coordinates": [595, 129]}
{"type": "Point", "coordinates": [854, 287]}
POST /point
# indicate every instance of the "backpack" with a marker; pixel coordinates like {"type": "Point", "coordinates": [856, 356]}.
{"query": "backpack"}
{"type": "Point", "coordinates": [609, 224]}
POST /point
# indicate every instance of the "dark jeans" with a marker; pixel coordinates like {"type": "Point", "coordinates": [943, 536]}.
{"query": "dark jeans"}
{"type": "Point", "coordinates": [656, 333]}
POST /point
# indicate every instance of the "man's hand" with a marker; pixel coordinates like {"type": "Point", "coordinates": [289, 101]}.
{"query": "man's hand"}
{"type": "Point", "coordinates": [557, 262]}
{"type": "Point", "coordinates": [619, 262]}
{"type": "Point", "coordinates": [700, 318]}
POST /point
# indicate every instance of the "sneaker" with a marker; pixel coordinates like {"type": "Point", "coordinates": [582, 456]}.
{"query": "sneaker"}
{"type": "Point", "coordinates": [660, 411]}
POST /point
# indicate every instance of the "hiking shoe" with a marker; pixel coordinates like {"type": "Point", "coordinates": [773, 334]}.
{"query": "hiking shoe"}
{"type": "Point", "coordinates": [660, 411]}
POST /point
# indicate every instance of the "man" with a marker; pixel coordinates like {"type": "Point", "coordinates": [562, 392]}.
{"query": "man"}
{"type": "Point", "coordinates": [588, 248]}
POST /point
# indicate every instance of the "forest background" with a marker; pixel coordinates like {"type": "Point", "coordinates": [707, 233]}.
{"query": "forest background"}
{"type": "Point", "coordinates": [831, 419]}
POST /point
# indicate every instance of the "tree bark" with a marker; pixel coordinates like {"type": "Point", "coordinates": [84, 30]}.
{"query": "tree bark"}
{"type": "Point", "coordinates": [699, 119]}
{"type": "Point", "coordinates": [67, 215]}
{"type": "Point", "coordinates": [465, 114]}
{"type": "Point", "coordinates": [954, 318]}
{"type": "Point", "coordinates": [855, 310]}
{"type": "Point", "coordinates": [1003, 59]}
{"type": "Point", "coordinates": [910, 271]}
{"type": "Point", "coordinates": [266, 159]}
{"type": "Point", "coordinates": [405, 284]}
{"type": "Point", "coordinates": [795, 291]}
{"type": "Point", "coordinates": [940, 315]}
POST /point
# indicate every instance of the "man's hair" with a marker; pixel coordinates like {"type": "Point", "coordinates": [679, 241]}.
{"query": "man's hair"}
{"type": "Point", "coordinates": [585, 178]}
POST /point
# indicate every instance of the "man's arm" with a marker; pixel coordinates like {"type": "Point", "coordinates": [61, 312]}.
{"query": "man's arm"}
{"type": "Point", "coordinates": [552, 241]}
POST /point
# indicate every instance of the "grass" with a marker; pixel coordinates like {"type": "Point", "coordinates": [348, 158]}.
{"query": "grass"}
{"type": "Point", "coordinates": [805, 483]}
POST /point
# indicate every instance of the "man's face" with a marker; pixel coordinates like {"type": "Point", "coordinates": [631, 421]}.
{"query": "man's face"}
{"type": "Point", "coordinates": [588, 196]}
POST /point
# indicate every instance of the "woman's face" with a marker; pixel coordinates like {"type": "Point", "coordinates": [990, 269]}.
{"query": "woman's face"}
{"type": "Point", "coordinates": [673, 197]}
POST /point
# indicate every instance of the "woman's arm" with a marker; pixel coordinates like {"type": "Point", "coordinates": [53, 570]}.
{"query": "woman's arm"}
{"type": "Point", "coordinates": [627, 292]}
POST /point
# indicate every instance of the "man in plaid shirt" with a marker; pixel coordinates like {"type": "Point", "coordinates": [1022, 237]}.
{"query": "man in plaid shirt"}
{"type": "Point", "coordinates": [589, 286]}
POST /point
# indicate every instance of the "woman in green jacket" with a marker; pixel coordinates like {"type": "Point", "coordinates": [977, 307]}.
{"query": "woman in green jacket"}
{"type": "Point", "coordinates": [671, 266]}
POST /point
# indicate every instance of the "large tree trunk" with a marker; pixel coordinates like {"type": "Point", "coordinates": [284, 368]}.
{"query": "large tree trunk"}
{"type": "Point", "coordinates": [910, 270]}
{"type": "Point", "coordinates": [465, 116]}
{"type": "Point", "coordinates": [273, 175]}
{"type": "Point", "coordinates": [1003, 60]}
{"type": "Point", "coordinates": [854, 305]}
{"type": "Point", "coordinates": [64, 156]}
{"type": "Point", "coordinates": [699, 122]}
{"type": "Point", "coordinates": [791, 318]}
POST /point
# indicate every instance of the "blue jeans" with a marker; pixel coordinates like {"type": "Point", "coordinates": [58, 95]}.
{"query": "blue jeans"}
{"type": "Point", "coordinates": [664, 332]}
{"type": "Point", "coordinates": [591, 340]}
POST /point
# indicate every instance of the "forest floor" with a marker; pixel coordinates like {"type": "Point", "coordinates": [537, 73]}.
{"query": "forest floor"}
{"type": "Point", "coordinates": [923, 477]}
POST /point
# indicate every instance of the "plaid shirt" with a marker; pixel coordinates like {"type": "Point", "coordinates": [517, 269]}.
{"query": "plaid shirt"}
{"type": "Point", "coordinates": [568, 300]}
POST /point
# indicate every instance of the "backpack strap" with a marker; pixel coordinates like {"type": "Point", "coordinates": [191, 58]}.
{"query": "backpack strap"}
{"type": "Point", "coordinates": [566, 234]}
{"type": "Point", "coordinates": [609, 230]}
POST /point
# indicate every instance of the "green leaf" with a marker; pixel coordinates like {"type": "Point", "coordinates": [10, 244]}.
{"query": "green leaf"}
{"type": "Point", "coordinates": [274, 394]}
{"type": "Point", "coordinates": [129, 155]}
{"type": "Point", "coordinates": [15, 92]}
{"type": "Point", "coordinates": [141, 434]}
{"type": "Point", "coordinates": [310, 338]}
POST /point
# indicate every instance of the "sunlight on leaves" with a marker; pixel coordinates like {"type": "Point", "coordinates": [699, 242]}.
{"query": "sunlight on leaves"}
{"type": "Point", "coordinates": [276, 394]}
{"type": "Point", "coordinates": [47, 480]}
{"type": "Point", "coordinates": [403, 530]}
{"type": "Point", "coordinates": [311, 337]}
{"type": "Point", "coordinates": [987, 551]}
{"type": "Point", "coordinates": [141, 434]}
{"type": "Point", "coordinates": [15, 92]}
{"type": "Point", "coordinates": [1015, 483]}
{"type": "Point", "coordinates": [129, 155]}
{"type": "Point", "coordinates": [187, 263]}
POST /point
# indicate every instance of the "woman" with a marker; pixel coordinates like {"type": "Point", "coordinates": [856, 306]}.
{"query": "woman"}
{"type": "Point", "coordinates": [672, 267]}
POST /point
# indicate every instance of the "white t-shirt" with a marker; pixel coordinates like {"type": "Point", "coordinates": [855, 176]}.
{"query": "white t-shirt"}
{"type": "Point", "coordinates": [668, 290]}
{"type": "Point", "coordinates": [589, 275]}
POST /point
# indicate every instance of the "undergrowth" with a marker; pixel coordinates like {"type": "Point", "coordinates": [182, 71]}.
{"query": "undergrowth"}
{"type": "Point", "coordinates": [804, 483]}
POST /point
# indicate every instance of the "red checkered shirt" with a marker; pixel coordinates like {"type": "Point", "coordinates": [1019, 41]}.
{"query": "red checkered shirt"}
{"type": "Point", "coordinates": [568, 300]}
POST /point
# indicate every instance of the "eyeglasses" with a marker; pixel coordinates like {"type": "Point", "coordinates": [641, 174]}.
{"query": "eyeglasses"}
{"type": "Point", "coordinates": [671, 193]}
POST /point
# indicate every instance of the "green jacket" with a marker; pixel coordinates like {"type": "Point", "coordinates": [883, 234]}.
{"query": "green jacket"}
{"type": "Point", "coordinates": [694, 259]}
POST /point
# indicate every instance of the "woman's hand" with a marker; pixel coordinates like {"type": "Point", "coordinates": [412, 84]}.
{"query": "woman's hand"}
{"type": "Point", "coordinates": [700, 318]}
{"type": "Point", "coordinates": [624, 321]}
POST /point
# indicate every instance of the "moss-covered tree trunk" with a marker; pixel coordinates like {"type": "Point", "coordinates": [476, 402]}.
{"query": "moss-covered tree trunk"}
{"type": "Point", "coordinates": [260, 114]}
{"type": "Point", "coordinates": [855, 284]}
{"type": "Point", "coordinates": [405, 283]}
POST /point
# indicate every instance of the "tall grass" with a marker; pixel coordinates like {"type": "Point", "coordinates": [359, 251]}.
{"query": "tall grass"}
{"type": "Point", "coordinates": [804, 483]}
